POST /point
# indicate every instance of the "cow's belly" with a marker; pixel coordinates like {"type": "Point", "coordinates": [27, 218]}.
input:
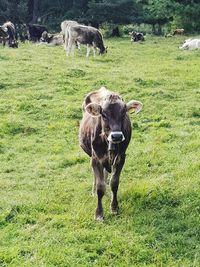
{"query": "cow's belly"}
{"type": "Point", "coordinates": [83, 40]}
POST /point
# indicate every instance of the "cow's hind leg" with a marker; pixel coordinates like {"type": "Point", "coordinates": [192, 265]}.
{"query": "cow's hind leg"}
{"type": "Point", "coordinates": [99, 175]}
{"type": "Point", "coordinates": [94, 186]}
{"type": "Point", "coordinates": [70, 48]}
{"type": "Point", "coordinates": [105, 176]}
{"type": "Point", "coordinates": [114, 184]}
{"type": "Point", "coordinates": [94, 51]}
{"type": "Point", "coordinates": [88, 50]}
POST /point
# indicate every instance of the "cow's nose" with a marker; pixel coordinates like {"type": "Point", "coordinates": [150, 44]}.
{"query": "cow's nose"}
{"type": "Point", "coordinates": [116, 137]}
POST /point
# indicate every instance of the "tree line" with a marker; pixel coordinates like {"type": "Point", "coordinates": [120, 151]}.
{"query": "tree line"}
{"type": "Point", "coordinates": [157, 13]}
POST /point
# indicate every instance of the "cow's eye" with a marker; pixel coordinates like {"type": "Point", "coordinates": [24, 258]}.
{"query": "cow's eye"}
{"type": "Point", "coordinates": [123, 114]}
{"type": "Point", "coordinates": [104, 116]}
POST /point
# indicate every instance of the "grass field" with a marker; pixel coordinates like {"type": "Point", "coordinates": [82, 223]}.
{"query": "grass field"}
{"type": "Point", "coordinates": [46, 206]}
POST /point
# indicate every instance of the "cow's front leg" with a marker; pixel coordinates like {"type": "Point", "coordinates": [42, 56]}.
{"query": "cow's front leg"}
{"type": "Point", "coordinates": [94, 51]}
{"type": "Point", "coordinates": [114, 183]}
{"type": "Point", "coordinates": [99, 176]}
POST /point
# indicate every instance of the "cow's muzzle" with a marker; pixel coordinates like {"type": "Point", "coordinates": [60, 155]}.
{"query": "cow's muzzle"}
{"type": "Point", "coordinates": [116, 137]}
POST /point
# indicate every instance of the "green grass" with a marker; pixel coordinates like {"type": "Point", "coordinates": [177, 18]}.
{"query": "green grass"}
{"type": "Point", "coordinates": [46, 207]}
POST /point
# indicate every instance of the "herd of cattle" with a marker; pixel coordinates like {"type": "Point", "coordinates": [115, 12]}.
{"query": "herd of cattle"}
{"type": "Point", "coordinates": [105, 128]}
{"type": "Point", "coordinates": [72, 35]}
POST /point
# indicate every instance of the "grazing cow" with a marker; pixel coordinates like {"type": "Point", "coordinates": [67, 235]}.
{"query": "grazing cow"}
{"type": "Point", "coordinates": [190, 44]}
{"type": "Point", "coordinates": [179, 32]}
{"type": "Point", "coordinates": [7, 34]}
{"type": "Point", "coordinates": [136, 36]}
{"type": "Point", "coordinates": [34, 32]}
{"type": "Point", "coordinates": [51, 39]}
{"type": "Point", "coordinates": [87, 35]}
{"type": "Point", "coordinates": [104, 134]}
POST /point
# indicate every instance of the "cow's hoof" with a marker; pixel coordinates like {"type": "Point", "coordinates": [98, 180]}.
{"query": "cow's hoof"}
{"type": "Point", "coordinates": [99, 215]}
{"type": "Point", "coordinates": [98, 218]}
{"type": "Point", "coordinates": [114, 211]}
{"type": "Point", "coordinates": [94, 194]}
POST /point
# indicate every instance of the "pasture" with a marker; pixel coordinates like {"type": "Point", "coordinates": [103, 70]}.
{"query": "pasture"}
{"type": "Point", "coordinates": [46, 206]}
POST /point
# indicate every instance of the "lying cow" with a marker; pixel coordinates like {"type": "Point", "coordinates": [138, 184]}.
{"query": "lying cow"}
{"type": "Point", "coordinates": [179, 32]}
{"type": "Point", "coordinates": [7, 34]}
{"type": "Point", "coordinates": [105, 132]}
{"type": "Point", "coordinates": [51, 39]}
{"type": "Point", "coordinates": [34, 32]}
{"type": "Point", "coordinates": [190, 44]}
{"type": "Point", "coordinates": [136, 36]}
{"type": "Point", "coordinates": [87, 35]}
{"type": "Point", "coordinates": [168, 35]}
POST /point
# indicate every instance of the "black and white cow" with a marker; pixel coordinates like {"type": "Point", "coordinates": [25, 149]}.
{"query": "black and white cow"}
{"type": "Point", "coordinates": [136, 36]}
{"type": "Point", "coordinates": [34, 32]}
{"type": "Point", "coordinates": [7, 34]}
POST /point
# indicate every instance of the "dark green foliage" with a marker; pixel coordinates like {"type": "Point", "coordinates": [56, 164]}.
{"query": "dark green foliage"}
{"type": "Point", "coordinates": [157, 13]}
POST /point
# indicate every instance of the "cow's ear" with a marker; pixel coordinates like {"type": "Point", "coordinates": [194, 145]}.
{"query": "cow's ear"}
{"type": "Point", "coordinates": [134, 106]}
{"type": "Point", "coordinates": [93, 109]}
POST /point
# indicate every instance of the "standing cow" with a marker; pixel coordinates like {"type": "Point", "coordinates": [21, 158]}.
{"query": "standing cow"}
{"type": "Point", "coordinates": [34, 32]}
{"type": "Point", "coordinates": [3, 35]}
{"type": "Point", "coordinates": [81, 34]}
{"type": "Point", "coordinates": [178, 32]}
{"type": "Point", "coordinates": [105, 132]}
{"type": "Point", "coordinates": [7, 34]}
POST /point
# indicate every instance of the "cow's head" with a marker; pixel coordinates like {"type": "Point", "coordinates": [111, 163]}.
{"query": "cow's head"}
{"type": "Point", "coordinates": [4, 32]}
{"type": "Point", "coordinates": [13, 44]}
{"type": "Point", "coordinates": [113, 113]}
{"type": "Point", "coordinates": [103, 50]}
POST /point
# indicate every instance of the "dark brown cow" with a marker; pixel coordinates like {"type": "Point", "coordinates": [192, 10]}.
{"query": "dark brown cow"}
{"type": "Point", "coordinates": [105, 132]}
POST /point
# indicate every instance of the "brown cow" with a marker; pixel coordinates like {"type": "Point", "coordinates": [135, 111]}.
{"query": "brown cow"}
{"type": "Point", "coordinates": [105, 132]}
{"type": "Point", "coordinates": [178, 32]}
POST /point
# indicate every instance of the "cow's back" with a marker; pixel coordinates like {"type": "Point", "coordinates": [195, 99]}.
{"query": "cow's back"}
{"type": "Point", "coordinates": [83, 34]}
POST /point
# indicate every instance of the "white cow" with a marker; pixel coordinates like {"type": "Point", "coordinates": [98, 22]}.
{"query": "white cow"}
{"type": "Point", "coordinates": [190, 44]}
{"type": "Point", "coordinates": [65, 26]}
